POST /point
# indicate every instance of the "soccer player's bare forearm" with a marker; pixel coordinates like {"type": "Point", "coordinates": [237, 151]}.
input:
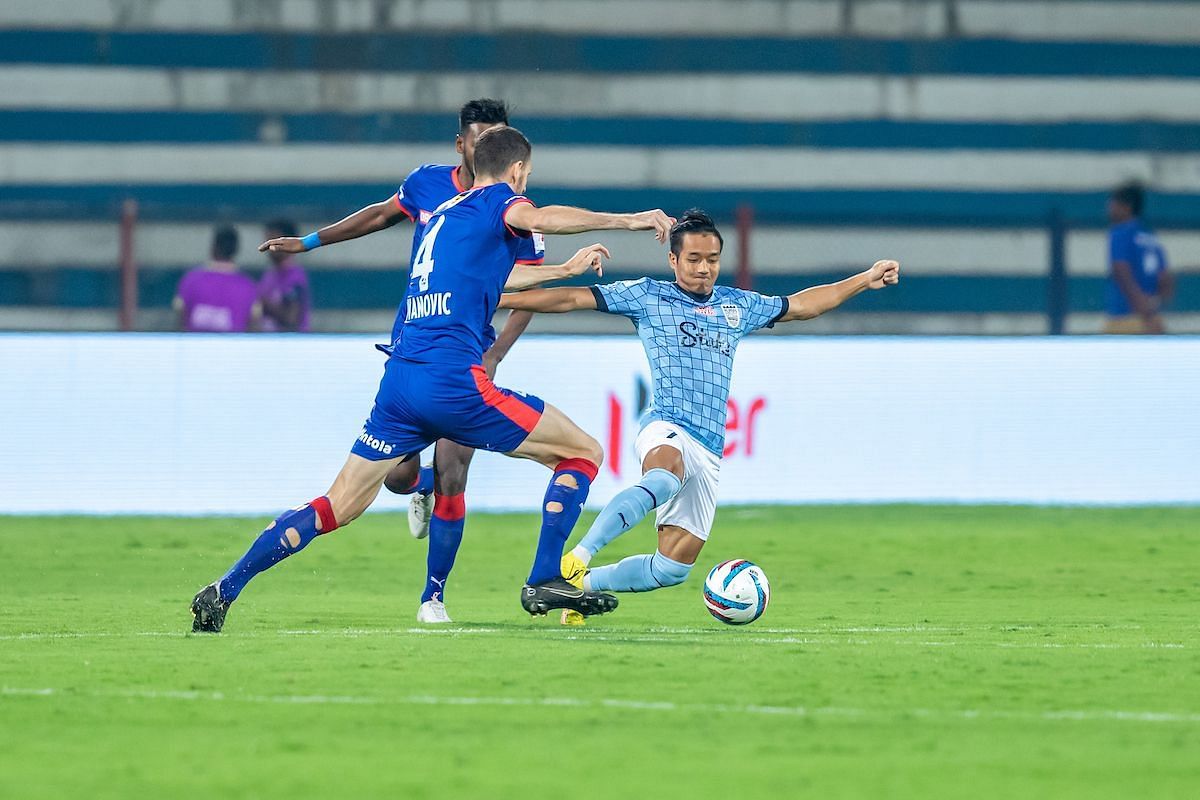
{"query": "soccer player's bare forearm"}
{"type": "Point", "coordinates": [367, 220]}
{"type": "Point", "coordinates": [817, 300]}
{"type": "Point", "coordinates": [550, 301]}
{"type": "Point", "coordinates": [514, 326]}
{"type": "Point", "coordinates": [526, 276]}
{"type": "Point", "coordinates": [567, 219]}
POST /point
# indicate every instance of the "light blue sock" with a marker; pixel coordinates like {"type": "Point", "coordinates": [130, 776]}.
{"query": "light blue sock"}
{"type": "Point", "coordinates": [643, 573]}
{"type": "Point", "coordinates": [629, 507]}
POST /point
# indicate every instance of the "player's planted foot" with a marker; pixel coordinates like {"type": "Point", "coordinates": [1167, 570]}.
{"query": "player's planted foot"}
{"type": "Point", "coordinates": [557, 593]}
{"type": "Point", "coordinates": [433, 612]}
{"type": "Point", "coordinates": [573, 570]}
{"type": "Point", "coordinates": [420, 511]}
{"type": "Point", "coordinates": [209, 610]}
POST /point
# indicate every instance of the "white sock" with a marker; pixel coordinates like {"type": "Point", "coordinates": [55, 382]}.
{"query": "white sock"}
{"type": "Point", "coordinates": [582, 553]}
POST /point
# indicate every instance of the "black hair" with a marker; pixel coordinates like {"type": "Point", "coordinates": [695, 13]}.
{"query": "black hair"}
{"type": "Point", "coordinates": [225, 243]}
{"type": "Point", "coordinates": [284, 227]}
{"type": "Point", "coordinates": [693, 221]}
{"type": "Point", "coordinates": [1131, 194]}
{"type": "Point", "coordinates": [485, 110]}
{"type": "Point", "coordinates": [499, 148]}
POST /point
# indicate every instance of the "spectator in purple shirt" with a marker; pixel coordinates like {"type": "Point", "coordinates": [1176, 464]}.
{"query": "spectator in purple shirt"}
{"type": "Point", "coordinates": [283, 289]}
{"type": "Point", "coordinates": [216, 297]}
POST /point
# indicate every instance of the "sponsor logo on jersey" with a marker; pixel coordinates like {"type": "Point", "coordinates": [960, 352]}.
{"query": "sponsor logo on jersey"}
{"type": "Point", "coordinates": [377, 445]}
{"type": "Point", "coordinates": [539, 242]}
{"type": "Point", "coordinates": [706, 311]}
{"type": "Point", "coordinates": [436, 304]}
{"type": "Point", "coordinates": [425, 216]}
{"type": "Point", "coordinates": [732, 314]}
{"type": "Point", "coordinates": [692, 335]}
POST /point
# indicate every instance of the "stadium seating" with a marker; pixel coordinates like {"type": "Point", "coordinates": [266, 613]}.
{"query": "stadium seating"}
{"type": "Point", "coordinates": [945, 134]}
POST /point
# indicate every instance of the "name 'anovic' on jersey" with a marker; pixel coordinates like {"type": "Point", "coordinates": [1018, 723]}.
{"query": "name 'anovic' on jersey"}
{"type": "Point", "coordinates": [458, 273]}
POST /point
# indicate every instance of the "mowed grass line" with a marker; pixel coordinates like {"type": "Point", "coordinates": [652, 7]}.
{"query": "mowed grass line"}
{"type": "Point", "coordinates": [908, 651]}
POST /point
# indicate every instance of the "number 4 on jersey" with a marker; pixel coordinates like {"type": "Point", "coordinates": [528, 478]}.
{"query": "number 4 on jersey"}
{"type": "Point", "coordinates": [422, 267]}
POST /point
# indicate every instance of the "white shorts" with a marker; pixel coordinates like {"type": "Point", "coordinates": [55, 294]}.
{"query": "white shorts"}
{"type": "Point", "coordinates": [695, 506]}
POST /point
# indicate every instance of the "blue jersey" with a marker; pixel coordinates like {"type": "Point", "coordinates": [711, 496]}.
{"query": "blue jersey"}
{"type": "Point", "coordinates": [1133, 243]}
{"type": "Point", "coordinates": [690, 342]}
{"type": "Point", "coordinates": [426, 188]}
{"type": "Point", "coordinates": [458, 273]}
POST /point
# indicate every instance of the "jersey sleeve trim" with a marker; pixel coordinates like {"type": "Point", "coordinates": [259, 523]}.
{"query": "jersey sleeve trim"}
{"type": "Point", "coordinates": [601, 303]}
{"type": "Point", "coordinates": [516, 201]}
{"type": "Point", "coordinates": [532, 262]}
{"type": "Point", "coordinates": [787, 304]}
{"type": "Point", "coordinates": [399, 204]}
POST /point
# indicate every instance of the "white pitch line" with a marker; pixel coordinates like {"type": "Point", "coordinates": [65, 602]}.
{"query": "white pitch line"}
{"type": "Point", "coordinates": [710, 634]}
{"type": "Point", "coordinates": [1066, 715]}
{"type": "Point", "coordinates": [770, 636]}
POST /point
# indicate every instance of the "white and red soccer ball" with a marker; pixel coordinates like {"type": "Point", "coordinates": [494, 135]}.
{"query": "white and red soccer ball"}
{"type": "Point", "coordinates": [736, 592]}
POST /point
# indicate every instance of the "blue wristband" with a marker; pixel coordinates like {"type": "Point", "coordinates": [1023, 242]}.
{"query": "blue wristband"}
{"type": "Point", "coordinates": [312, 241]}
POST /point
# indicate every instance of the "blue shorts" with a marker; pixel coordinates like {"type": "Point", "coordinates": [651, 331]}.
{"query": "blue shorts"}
{"type": "Point", "coordinates": [417, 404]}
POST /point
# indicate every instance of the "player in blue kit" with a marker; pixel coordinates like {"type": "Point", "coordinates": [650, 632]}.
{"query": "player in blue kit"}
{"type": "Point", "coordinates": [438, 506]}
{"type": "Point", "coordinates": [1139, 282]}
{"type": "Point", "coordinates": [690, 329]}
{"type": "Point", "coordinates": [435, 386]}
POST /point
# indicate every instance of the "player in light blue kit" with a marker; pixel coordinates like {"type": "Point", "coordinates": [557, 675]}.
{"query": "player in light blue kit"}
{"type": "Point", "coordinates": [434, 384]}
{"type": "Point", "coordinates": [690, 329]}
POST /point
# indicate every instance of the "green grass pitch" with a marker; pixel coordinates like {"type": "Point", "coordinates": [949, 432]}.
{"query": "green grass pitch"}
{"type": "Point", "coordinates": [908, 651]}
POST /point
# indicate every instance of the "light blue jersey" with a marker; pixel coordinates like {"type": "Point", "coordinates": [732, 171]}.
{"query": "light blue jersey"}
{"type": "Point", "coordinates": [690, 342]}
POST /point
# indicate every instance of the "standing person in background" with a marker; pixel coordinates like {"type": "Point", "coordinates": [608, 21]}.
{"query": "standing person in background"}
{"type": "Point", "coordinates": [216, 297]}
{"type": "Point", "coordinates": [1139, 284]}
{"type": "Point", "coordinates": [283, 289]}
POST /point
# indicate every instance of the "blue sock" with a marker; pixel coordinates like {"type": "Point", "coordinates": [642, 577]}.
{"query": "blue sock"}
{"type": "Point", "coordinates": [629, 507]}
{"type": "Point", "coordinates": [445, 535]}
{"type": "Point", "coordinates": [561, 507]}
{"type": "Point", "coordinates": [424, 482]}
{"type": "Point", "coordinates": [643, 573]}
{"type": "Point", "coordinates": [289, 533]}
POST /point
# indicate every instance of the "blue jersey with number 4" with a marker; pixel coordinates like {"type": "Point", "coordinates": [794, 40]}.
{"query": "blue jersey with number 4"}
{"type": "Point", "coordinates": [426, 188]}
{"type": "Point", "coordinates": [458, 273]}
{"type": "Point", "coordinates": [690, 343]}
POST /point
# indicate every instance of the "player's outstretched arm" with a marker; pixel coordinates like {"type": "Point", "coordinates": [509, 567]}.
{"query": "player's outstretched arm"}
{"type": "Point", "coordinates": [374, 217]}
{"type": "Point", "coordinates": [567, 219]}
{"type": "Point", "coordinates": [523, 276]}
{"type": "Point", "coordinates": [551, 301]}
{"type": "Point", "coordinates": [815, 301]}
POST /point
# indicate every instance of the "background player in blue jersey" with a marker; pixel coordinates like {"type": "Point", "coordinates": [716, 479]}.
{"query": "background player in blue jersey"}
{"type": "Point", "coordinates": [434, 384]}
{"type": "Point", "coordinates": [690, 329]}
{"type": "Point", "coordinates": [438, 507]}
{"type": "Point", "coordinates": [1139, 283]}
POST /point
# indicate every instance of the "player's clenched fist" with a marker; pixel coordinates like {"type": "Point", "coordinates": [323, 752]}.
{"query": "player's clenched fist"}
{"type": "Point", "coordinates": [884, 273]}
{"type": "Point", "coordinates": [655, 220]}
{"type": "Point", "coordinates": [590, 257]}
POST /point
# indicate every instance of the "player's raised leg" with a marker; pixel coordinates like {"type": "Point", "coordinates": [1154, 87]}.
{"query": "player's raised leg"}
{"type": "Point", "coordinates": [662, 478]}
{"type": "Point", "coordinates": [452, 462]}
{"type": "Point", "coordinates": [684, 519]}
{"type": "Point", "coordinates": [353, 491]}
{"type": "Point", "coordinates": [575, 458]}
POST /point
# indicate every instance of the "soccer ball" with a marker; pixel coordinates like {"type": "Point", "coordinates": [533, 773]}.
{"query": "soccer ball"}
{"type": "Point", "coordinates": [736, 592]}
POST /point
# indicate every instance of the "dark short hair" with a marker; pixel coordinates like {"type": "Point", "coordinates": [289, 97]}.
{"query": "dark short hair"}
{"type": "Point", "coordinates": [485, 110]}
{"type": "Point", "coordinates": [497, 149]}
{"type": "Point", "coordinates": [1131, 194]}
{"type": "Point", "coordinates": [285, 227]}
{"type": "Point", "coordinates": [693, 221]}
{"type": "Point", "coordinates": [225, 243]}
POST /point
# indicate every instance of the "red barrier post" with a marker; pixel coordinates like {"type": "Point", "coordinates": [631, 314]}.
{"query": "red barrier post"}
{"type": "Point", "coordinates": [129, 285]}
{"type": "Point", "coordinates": [745, 223]}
